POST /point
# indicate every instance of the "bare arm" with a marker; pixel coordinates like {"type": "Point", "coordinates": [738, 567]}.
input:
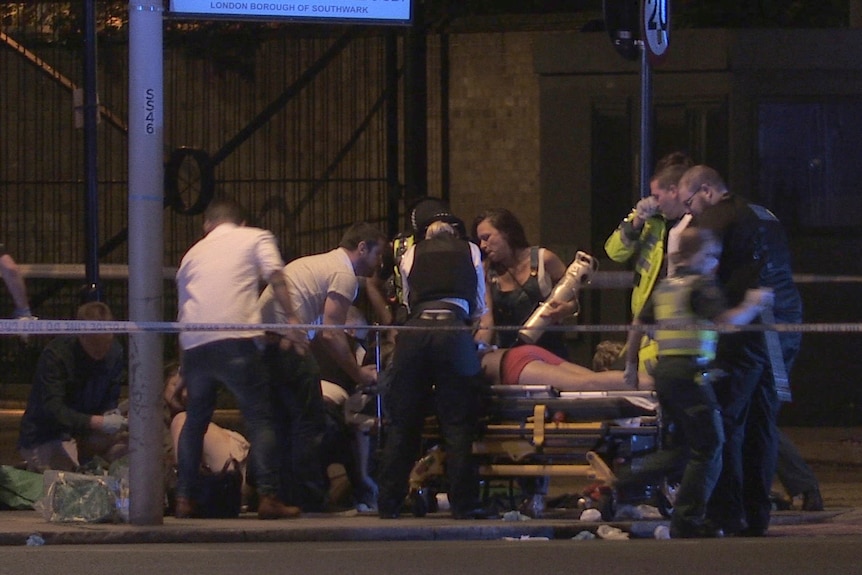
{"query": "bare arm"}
{"type": "Point", "coordinates": [633, 343]}
{"type": "Point", "coordinates": [335, 340]}
{"type": "Point", "coordinates": [15, 283]}
{"type": "Point", "coordinates": [485, 331]}
{"type": "Point", "coordinates": [755, 301]}
{"type": "Point", "coordinates": [374, 291]}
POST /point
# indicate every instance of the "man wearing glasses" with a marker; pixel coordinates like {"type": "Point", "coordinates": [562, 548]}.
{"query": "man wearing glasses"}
{"type": "Point", "coordinates": [755, 254]}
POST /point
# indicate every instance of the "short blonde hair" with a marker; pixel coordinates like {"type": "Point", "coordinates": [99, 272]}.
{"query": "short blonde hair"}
{"type": "Point", "coordinates": [437, 228]}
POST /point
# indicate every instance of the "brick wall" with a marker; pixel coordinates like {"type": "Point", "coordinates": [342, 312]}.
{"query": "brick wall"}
{"type": "Point", "coordinates": [494, 125]}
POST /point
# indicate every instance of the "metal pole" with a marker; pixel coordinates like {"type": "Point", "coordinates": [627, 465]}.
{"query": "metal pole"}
{"type": "Point", "coordinates": [393, 188]}
{"type": "Point", "coordinates": [646, 151]}
{"type": "Point", "coordinates": [93, 289]}
{"type": "Point", "coordinates": [416, 109]}
{"type": "Point", "coordinates": [146, 252]}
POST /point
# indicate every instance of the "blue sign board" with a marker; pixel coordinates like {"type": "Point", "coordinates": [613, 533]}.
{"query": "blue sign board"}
{"type": "Point", "coordinates": [359, 11]}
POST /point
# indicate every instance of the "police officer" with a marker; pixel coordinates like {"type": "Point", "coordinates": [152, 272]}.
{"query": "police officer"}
{"type": "Point", "coordinates": [755, 254]}
{"type": "Point", "coordinates": [443, 286]}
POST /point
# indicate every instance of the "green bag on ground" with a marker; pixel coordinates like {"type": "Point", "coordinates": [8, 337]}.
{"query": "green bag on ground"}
{"type": "Point", "coordinates": [19, 489]}
{"type": "Point", "coordinates": [76, 497]}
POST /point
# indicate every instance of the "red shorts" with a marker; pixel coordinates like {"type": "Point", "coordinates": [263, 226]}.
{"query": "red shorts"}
{"type": "Point", "coordinates": [516, 359]}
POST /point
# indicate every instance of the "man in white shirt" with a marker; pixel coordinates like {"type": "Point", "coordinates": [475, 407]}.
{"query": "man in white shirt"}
{"type": "Point", "coordinates": [322, 287]}
{"type": "Point", "coordinates": [217, 282]}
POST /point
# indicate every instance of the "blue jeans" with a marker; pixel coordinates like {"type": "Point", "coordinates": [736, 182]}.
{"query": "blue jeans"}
{"type": "Point", "coordinates": [234, 363]}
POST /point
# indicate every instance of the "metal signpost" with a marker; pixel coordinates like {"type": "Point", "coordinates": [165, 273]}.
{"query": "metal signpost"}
{"type": "Point", "coordinates": [641, 29]}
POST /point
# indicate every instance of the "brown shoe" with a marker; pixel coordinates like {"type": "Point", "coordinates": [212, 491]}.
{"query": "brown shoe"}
{"type": "Point", "coordinates": [270, 507]}
{"type": "Point", "coordinates": [184, 508]}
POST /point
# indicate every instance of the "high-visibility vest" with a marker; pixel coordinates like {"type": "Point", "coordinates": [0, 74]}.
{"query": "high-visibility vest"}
{"type": "Point", "coordinates": [672, 299]}
{"type": "Point", "coordinates": [649, 247]}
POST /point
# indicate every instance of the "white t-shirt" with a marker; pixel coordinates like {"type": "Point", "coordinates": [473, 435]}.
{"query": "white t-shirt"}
{"type": "Point", "coordinates": [310, 280]}
{"type": "Point", "coordinates": [219, 279]}
{"type": "Point", "coordinates": [673, 242]}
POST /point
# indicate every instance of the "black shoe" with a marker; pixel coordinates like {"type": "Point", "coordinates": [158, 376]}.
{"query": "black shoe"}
{"type": "Point", "coordinates": [731, 528]}
{"type": "Point", "coordinates": [388, 507]}
{"type": "Point", "coordinates": [476, 513]}
{"type": "Point", "coordinates": [705, 530]}
{"type": "Point", "coordinates": [812, 501]}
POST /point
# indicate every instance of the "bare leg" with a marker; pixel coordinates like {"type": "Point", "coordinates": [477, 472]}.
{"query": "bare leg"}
{"type": "Point", "coordinates": [572, 377]}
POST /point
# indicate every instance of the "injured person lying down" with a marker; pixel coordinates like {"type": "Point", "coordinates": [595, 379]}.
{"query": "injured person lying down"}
{"type": "Point", "coordinates": [533, 365]}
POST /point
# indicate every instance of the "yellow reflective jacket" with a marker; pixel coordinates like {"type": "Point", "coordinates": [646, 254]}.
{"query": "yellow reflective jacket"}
{"type": "Point", "coordinates": [672, 301]}
{"type": "Point", "coordinates": [648, 244]}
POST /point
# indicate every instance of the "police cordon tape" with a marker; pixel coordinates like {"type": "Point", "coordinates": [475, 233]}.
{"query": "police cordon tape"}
{"type": "Point", "coordinates": [60, 326]}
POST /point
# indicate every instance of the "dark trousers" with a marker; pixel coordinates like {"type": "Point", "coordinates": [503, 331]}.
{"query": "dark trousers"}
{"type": "Point", "coordinates": [689, 401]}
{"type": "Point", "coordinates": [749, 406]}
{"type": "Point", "coordinates": [439, 369]}
{"type": "Point", "coordinates": [794, 474]}
{"type": "Point", "coordinates": [300, 424]}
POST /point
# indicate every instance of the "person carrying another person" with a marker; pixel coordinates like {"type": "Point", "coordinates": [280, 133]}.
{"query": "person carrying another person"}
{"type": "Point", "coordinates": [71, 414]}
{"type": "Point", "coordinates": [322, 288]}
{"type": "Point", "coordinates": [649, 233]}
{"type": "Point", "coordinates": [436, 363]}
{"type": "Point", "coordinates": [519, 278]}
{"type": "Point", "coordinates": [683, 309]}
{"type": "Point", "coordinates": [217, 282]}
{"type": "Point", "coordinates": [755, 253]}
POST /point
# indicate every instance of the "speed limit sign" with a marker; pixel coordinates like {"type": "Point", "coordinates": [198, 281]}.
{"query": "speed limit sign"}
{"type": "Point", "coordinates": [656, 28]}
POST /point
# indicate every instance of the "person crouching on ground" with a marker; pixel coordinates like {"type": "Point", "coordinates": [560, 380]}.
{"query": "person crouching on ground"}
{"type": "Point", "coordinates": [71, 414]}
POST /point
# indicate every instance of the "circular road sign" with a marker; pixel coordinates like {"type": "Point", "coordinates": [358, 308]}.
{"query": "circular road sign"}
{"type": "Point", "coordinates": [656, 28]}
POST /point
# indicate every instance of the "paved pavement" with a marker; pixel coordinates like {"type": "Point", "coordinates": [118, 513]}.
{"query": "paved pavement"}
{"type": "Point", "coordinates": [835, 454]}
{"type": "Point", "coordinates": [17, 527]}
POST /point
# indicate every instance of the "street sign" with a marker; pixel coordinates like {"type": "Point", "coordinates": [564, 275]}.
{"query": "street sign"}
{"type": "Point", "coordinates": [622, 21]}
{"type": "Point", "coordinates": [656, 29]}
{"type": "Point", "coordinates": [343, 11]}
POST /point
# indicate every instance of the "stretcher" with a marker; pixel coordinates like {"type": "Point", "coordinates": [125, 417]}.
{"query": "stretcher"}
{"type": "Point", "coordinates": [537, 431]}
